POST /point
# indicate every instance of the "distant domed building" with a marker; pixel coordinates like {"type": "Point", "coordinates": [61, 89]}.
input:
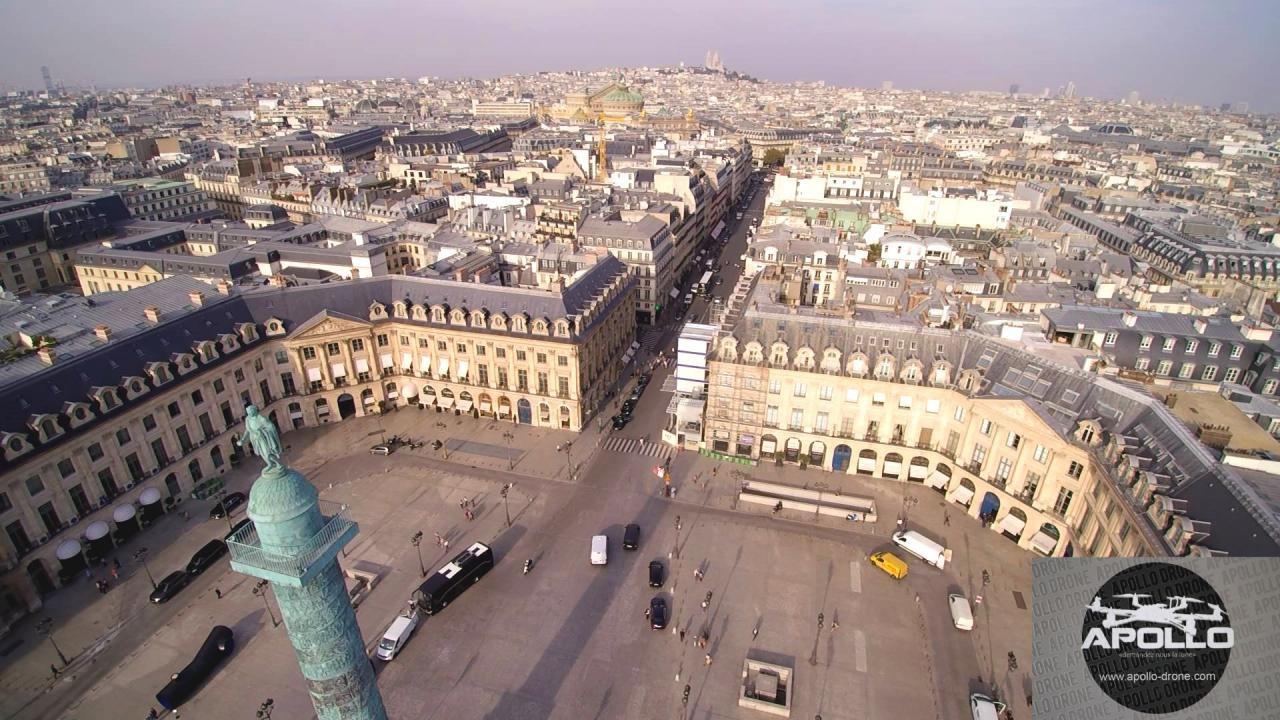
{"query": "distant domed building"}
{"type": "Point", "coordinates": [614, 100]}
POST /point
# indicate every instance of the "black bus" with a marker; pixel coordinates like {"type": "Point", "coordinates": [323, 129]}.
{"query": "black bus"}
{"type": "Point", "coordinates": [457, 575]}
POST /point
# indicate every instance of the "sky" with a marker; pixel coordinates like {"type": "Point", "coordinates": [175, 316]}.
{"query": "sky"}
{"type": "Point", "coordinates": [1199, 51]}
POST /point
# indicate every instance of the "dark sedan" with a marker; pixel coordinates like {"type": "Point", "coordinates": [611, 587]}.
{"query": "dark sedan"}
{"type": "Point", "coordinates": [620, 420]}
{"type": "Point", "coordinates": [184, 683]}
{"type": "Point", "coordinates": [657, 573]}
{"type": "Point", "coordinates": [227, 504]}
{"type": "Point", "coordinates": [169, 586]}
{"type": "Point", "coordinates": [658, 613]}
{"type": "Point", "coordinates": [206, 556]}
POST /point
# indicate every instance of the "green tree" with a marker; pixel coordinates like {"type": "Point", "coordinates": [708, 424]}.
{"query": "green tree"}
{"type": "Point", "coordinates": [873, 253]}
{"type": "Point", "coordinates": [774, 157]}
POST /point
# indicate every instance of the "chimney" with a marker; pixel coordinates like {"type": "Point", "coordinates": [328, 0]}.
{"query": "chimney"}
{"type": "Point", "coordinates": [224, 287]}
{"type": "Point", "coordinates": [1201, 324]}
{"type": "Point", "coordinates": [103, 332]}
{"type": "Point", "coordinates": [197, 298]}
{"type": "Point", "coordinates": [153, 313]}
{"type": "Point", "coordinates": [46, 355]}
{"type": "Point", "coordinates": [1130, 319]}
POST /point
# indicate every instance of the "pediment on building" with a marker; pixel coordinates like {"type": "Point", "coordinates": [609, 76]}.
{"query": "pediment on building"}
{"type": "Point", "coordinates": [327, 322]}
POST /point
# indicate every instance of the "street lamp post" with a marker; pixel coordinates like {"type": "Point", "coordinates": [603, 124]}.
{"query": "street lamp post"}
{"type": "Point", "coordinates": [416, 541]}
{"type": "Point", "coordinates": [506, 489]}
{"type": "Point", "coordinates": [141, 556]}
{"type": "Point", "coordinates": [260, 589]}
{"type": "Point", "coordinates": [45, 626]}
{"type": "Point", "coordinates": [568, 459]}
{"type": "Point", "coordinates": [511, 461]}
{"type": "Point", "coordinates": [821, 486]}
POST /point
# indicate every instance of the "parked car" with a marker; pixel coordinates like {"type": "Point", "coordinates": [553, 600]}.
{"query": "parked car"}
{"type": "Point", "coordinates": [169, 586]}
{"type": "Point", "coordinates": [620, 420]}
{"type": "Point", "coordinates": [628, 407]}
{"type": "Point", "coordinates": [236, 528]}
{"type": "Point", "coordinates": [184, 683]}
{"type": "Point", "coordinates": [397, 635]}
{"type": "Point", "coordinates": [658, 613]}
{"type": "Point", "coordinates": [631, 537]}
{"type": "Point", "coordinates": [380, 450]}
{"type": "Point", "coordinates": [206, 556]}
{"type": "Point", "coordinates": [644, 379]}
{"type": "Point", "coordinates": [224, 507]}
{"type": "Point", "coordinates": [657, 573]}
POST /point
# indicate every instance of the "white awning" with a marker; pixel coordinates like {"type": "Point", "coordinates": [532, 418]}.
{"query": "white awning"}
{"type": "Point", "coordinates": [368, 399]}
{"type": "Point", "coordinates": [917, 471]}
{"type": "Point", "coordinates": [339, 370]}
{"type": "Point", "coordinates": [362, 365]}
{"type": "Point", "coordinates": [938, 480]}
{"type": "Point", "coordinates": [313, 374]}
{"type": "Point", "coordinates": [406, 361]}
{"type": "Point", "coordinates": [123, 513]}
{"type": "Point", "coordinates": [387, 360]}
{"type": "Point", "coordinates": [462, 369]}
{"type": "Point", "coordinates": [464, 405]}
{"type": "Point", "coordinates": [442, 367]}
{"type": "Point", "coordinates": [97, 530]}
{"type": "Point", "coordinates": [892, 467]}
{"type": "Point", "coordinates": [1044, 542]}
{"type": "Point", "coordinates": [675, 292]}
{"type": "Point", "coordinates": [485, 406]}
{"type": "Point", "coordinates": [504, 409]}
{"type": "Point", "coordinates": [866, 464]}
{"type": "Point", "coordinates": [392, 394]}
{"type": "Point", "coordinates": [446, 402]}
{"type": "Point", "coordinates": [68, 549]}
{"type": "Point", "coordinates": [295, 415]}
{"type": "Point", "coordinates": [322, 410]}
{"type": "Point", "coordinates": [962, 495]}
{"type": "Point", "coordinates": [424, 365]}
{"type": "Point", "coordinates": [768, 446]}
{"type": "Point", "coordinates": [427, 400]}
{"type": "Point", "coordinates": [149, 496]}
{"type": "Point", "coordinates": [1012, 524]}
{"type": "Point", "coordinates": [410, 390]}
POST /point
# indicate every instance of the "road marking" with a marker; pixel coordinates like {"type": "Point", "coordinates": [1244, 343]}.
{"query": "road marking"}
{"type": "Point", "coordinates": [859, 651]}
{"type": "Point", "coordinates": [855, 576]}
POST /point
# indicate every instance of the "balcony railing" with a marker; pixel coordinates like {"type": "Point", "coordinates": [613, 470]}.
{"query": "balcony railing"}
{"type": "Point", "coordinates": [246, 547]}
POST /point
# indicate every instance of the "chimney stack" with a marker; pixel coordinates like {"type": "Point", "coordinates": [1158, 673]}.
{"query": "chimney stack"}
{"type": "Point", "coordinates": [103, 332]}
{"type": "Point", "coordinates": [224, 287]}
{"type": "Point", "coordinates": [197, 298]}
{"type": "Point", "coordinates": [153, 313]}
{"type": "Point", "coordinates": [1130, 319]}
{"type": "Point", "coordinates": [46, 355]}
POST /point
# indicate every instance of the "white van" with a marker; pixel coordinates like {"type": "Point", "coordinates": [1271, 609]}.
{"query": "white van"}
{"type": "Point", "coordinates": [396, 636]}
{"type": "Point", "coordinates": [922, 547]}
{"type": "Point", "coordinates": [961, 613]}
{"type": "Point", "coordinates": [984, 708]}
{"type": "Point", "coordinates": [599, 550]}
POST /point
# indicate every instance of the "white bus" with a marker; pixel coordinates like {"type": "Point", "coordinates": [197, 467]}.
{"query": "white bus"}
{"type": "Point", "coordinates": [704, 285]}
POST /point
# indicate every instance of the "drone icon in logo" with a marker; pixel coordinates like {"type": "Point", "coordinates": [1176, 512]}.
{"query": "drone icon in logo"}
{"type": "Point", "coordinates": [1167, 613]}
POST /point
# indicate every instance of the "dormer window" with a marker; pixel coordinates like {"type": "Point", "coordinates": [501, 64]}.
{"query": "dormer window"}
{"type": "Point", "coordinates": [15, 444]}
{"type": "Point", "coordinates": [477, 318]}
{"type": "Point", "coordinates": [49, 429]}
{"type": "Point", "coordinates": [437, 314]}
{"type": "Point", "coordinates": [275, 327]}
{"type": "Point", "coordinates": [419, 313]}
{"type": "Point", "coordinates": [159, 373]}
{"type": "Point", "coordinates": [498, 322]}
{"type": "Point", "coordinates": [540, 326]}
{"type": "Point", "coordinates": [248, 332]}
{"type": "Point", "coordinates": [458, 317]}
{"type": "Point", "coordinates": [377, 310]}
{"type": "Point", "coordinates": [562, 328]}
{"type": "Point", "coordinates": [399, 309]}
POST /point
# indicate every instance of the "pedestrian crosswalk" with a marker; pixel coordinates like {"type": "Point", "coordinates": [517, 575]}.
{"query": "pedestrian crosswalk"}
{"type": "Point", "coordinates": [649, 338]}
{"type": "Point", "coordinates": [635, 447]}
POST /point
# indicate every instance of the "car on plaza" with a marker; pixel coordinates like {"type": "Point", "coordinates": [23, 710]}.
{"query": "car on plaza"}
{"type": "Point", "coordinates": [890, 563]}
{"type": "Point", "coordinates": [657, 573]}
{"type": "Point", "coordinates": [631, 537]}
{"type": "Point", "coordinates": [599, 549]}
{"type": "Point", "coordinates": [223, 507]}
{"type": "Point", "coordinates": [380, 450]}
{"type": "Point", "coordinates": [620, 420]}
{"type": "Point", "coordinates": [658, 613]}
{"type": "Point", "coordinates": [628, 407]}
{"type": "Point", "coordinates": [169, 586]}
{"type": "Point", "coordinates": [237, 528]}
{"type": "Point", "coordinates": [206, 556]}
{"type": "Point", "coordinates": [184, 683]}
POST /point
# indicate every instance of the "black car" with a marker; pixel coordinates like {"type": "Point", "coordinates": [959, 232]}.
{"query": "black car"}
{"type": "Point", "coordinates": [620, 420]}
{"type": "Point", "coordinates": [184, 683]}
{"type": "Point", "coordinates": [644, 379]}
{"type": "Point", "coordinates": [170, 585]}
{"type": "Point", "coordinates": [236, 528]}
{"type": "Point", "coordinates": [657, 573]}
{"type": "Point", "coordinates": [658, 613]}
{"type": "Point", "coordinates": [636, 392]}
{"type": "Point", "coordinates": [628, 407]}
{"type": "Point", "coordinates": [226, 505]}
{"type": "Point", "coordinates": [206, 556]}
{"type": "Point", "coordinates": [631, 537]}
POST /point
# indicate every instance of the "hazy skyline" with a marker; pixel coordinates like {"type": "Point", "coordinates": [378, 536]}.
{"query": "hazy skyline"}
{"type": "Point", "coordinates": [1173, 50]}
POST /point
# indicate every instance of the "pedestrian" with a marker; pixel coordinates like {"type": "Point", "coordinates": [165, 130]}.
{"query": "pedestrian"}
{"type": "Point", "coordinates": [946, 518]}
{"type": "Point", "coordinates": [755, 632]}
{"type": "Point", "coordinates": [218, 592]}
{"type": "Point", "coordinates": [446, 546]}
{"type": "Point", "coordinates": [682, 637]}
{"type": "Point", "coordinates": [646, 613]}
{"type": "Point", "coordinates": [678, 524]}
{"type": "Point", "coordinates": [715, 471]}
{"type": "Point", "coordinates": [835, 625]}
{"type": "Point", "coordinates": [707, 659]}
{"type": "Point", "coordinates": [115, 573]}
{"type": "Point", "coordinates": [56, 671]}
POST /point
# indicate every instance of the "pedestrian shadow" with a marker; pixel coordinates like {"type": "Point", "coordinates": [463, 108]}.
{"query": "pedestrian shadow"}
{"type": "Point", "coordinates": [604, 702]}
